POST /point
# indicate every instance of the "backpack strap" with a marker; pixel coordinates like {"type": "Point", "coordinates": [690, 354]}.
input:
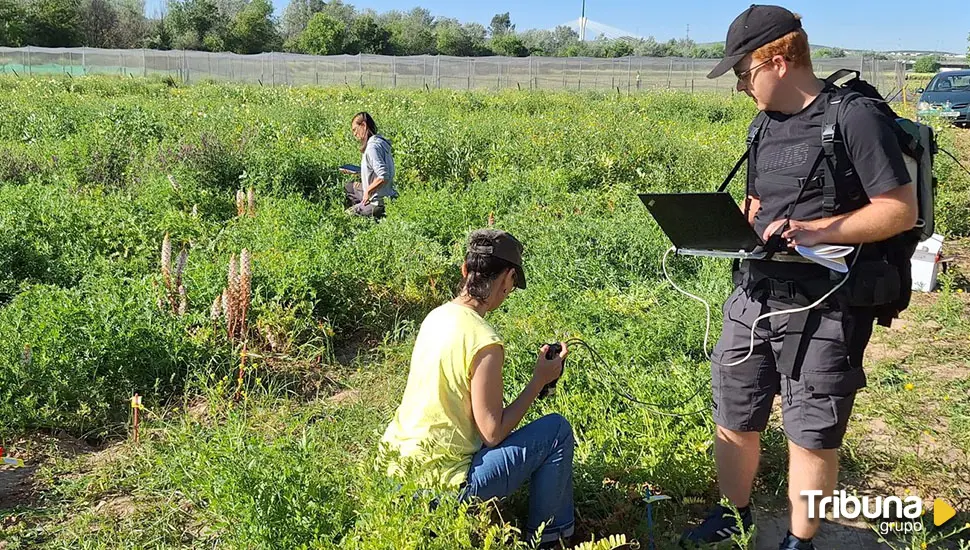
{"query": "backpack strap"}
{"type": "Point", "coordinates": [734, 171]}
{"type": "Point", "coordinates": [838, 75]}
{"type": "Point", "coordinates": [754, 135]}
{"type": "Point", "coordinates": [831, 139]}
{"type": "Point", "coordinates": [755, 131]}
{"type": "Point", "coordinates": [794, 344]}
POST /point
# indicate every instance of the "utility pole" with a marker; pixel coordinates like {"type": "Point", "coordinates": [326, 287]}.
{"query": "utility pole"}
{"type": "Point", "coordinates": [582, 24]}
{"type": "Point", "coordinates": [688, 32]}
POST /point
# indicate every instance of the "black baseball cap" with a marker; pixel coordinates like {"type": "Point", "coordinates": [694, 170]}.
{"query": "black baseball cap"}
{"type": "Point", "coordinates": [755, 27]}
{"type": "Point", "coordinates": [500, 244]}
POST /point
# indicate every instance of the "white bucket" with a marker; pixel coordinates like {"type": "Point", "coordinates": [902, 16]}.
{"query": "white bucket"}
{"type": "Point", "coordinates": [926, 263]}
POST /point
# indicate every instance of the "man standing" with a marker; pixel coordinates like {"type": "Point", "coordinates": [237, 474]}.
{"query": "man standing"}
{"type": "Point", "coordinates": [814, 360]}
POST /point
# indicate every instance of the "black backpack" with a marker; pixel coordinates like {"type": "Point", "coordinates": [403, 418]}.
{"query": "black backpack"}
{"type": "Point", "coordinates": [883, 284]}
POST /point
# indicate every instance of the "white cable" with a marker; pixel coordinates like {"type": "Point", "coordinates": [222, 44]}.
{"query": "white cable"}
{"type": "Point", "coordinates": [707, 330]}
{"type": "Point", "coordinates": [754, 325]}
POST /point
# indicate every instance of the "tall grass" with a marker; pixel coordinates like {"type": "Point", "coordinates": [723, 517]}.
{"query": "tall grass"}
{"type": "Point", "coordinates": [96, 172]}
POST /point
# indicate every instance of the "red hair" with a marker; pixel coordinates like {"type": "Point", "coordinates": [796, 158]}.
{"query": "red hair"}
{"type": "Point", "coordinates": [793, 47]}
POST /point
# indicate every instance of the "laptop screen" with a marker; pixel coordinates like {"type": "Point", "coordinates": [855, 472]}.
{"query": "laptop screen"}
{"type": "Point", "coordinates": [702, 221]}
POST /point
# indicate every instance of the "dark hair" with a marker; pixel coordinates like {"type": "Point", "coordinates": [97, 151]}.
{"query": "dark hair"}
{"type": "Point", "coordinates": [369, 123]}
{"type": "Point", "coordinates": [483, 270]}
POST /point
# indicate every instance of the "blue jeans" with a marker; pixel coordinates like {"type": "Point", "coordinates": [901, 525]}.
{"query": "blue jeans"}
{"type": "Point", "coordinates": [542, 452]}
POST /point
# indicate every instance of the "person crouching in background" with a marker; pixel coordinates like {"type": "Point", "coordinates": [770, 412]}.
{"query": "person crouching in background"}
{"type": "Point", "coordinates": [366, 197]}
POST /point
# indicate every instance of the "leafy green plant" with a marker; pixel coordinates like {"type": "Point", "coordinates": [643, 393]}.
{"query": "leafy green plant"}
{"type": "Point", "coordinates": [333, 302]}
{"type": "Point", "coordinates": [927, 64]}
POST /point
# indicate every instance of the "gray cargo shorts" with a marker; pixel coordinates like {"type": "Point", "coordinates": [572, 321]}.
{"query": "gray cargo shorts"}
{"type": "Point", "coordinates": [817, 398]}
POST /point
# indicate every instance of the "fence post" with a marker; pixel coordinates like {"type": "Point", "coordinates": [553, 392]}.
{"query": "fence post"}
{"type": "Point", "coordinates": [29, 69]}
{"type": "Point", "coordinates": [629, 75]}
{"type": "Point", "coordinates": [393, 73]}
{"type": "Point", "coordinates": [580, 74]}
{"type": "Point", "coordinates": [360, 69]}
{"type": "Point", "coordinates": [144, 63]}
{"type": "Point", "coordinates": [530, 73]}
{"type": "Point", "coordinates": [508, 73]}
{"type": "Point", "coordinates": [903, 85]}
{"type": "Point", "coordinates": [692, 76]}
{"type": "Point", "coordinates": [84, 61]}
{"type": "Point", "coordinates": [875, 68]}
{"type": "Point", "coordinates": [670, 67]}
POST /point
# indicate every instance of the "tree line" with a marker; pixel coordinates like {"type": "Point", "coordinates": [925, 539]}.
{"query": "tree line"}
{"type": "Point", "coordinates": [312, 27]}
{"type": "Point", "coordinates": [305, 26]}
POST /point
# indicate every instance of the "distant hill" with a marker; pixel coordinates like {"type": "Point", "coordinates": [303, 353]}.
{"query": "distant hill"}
{"type": "Point", "coordinates": [925, 52]}
{"type": "Point", "coordinates": [857, 52]}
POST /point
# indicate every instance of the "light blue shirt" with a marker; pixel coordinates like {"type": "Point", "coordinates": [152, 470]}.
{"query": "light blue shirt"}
{"type": "Point", "coordinates": [376, 162]}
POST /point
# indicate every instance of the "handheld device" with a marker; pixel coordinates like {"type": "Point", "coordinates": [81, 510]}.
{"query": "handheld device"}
{"type": "Point", "coordinates": [352, 168]}
{"type": "Point", "coordinates": [550, 388]}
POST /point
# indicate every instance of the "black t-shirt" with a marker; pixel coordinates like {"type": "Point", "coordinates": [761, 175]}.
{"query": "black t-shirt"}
{"type": "Point", "coordinates": [790, 144]}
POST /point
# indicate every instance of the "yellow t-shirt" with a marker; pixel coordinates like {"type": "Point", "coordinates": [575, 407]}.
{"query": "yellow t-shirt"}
{"type": "Point", "coordinates": [434, 425]}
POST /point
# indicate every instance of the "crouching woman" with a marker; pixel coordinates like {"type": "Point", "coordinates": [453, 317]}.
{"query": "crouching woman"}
{"type": "Point", "coordinates": [452, 421]}
{"type": "Point", "coordinates": [367, 197]}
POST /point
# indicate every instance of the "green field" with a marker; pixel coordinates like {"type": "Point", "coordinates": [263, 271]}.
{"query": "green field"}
{"type": "Point", "coordinates": [96, 171]}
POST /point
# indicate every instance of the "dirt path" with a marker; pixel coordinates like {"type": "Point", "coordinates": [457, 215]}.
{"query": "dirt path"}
{"type": "Point", "coordinates": [17, 485]}
{"type": "Point", "coordinates": [831, 536]}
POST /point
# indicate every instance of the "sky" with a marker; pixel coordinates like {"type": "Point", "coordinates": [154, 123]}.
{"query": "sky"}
{"type": "Point", "coordinates": [882, 25]}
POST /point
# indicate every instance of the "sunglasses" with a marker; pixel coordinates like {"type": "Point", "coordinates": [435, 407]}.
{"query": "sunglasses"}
{"type": "Point", "coordinates": [743, 75]}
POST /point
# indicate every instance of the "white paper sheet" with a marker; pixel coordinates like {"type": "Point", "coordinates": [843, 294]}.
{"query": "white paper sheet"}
{"type": "Point", "coordinates": [831, 256]}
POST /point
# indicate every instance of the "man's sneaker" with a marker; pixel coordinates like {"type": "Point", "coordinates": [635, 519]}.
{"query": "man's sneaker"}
{"type": "Point", "coordinates": [792, 543]}
{"type": "Point", "coordinates": [719, 526]}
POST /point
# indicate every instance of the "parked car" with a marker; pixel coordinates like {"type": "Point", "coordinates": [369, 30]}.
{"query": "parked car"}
{"type": "Point", "coordinates": [948, 96]}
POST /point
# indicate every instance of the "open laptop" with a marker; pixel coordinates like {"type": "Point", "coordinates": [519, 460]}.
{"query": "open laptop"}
{"type": "Point", "coordinates": [705, 224]}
